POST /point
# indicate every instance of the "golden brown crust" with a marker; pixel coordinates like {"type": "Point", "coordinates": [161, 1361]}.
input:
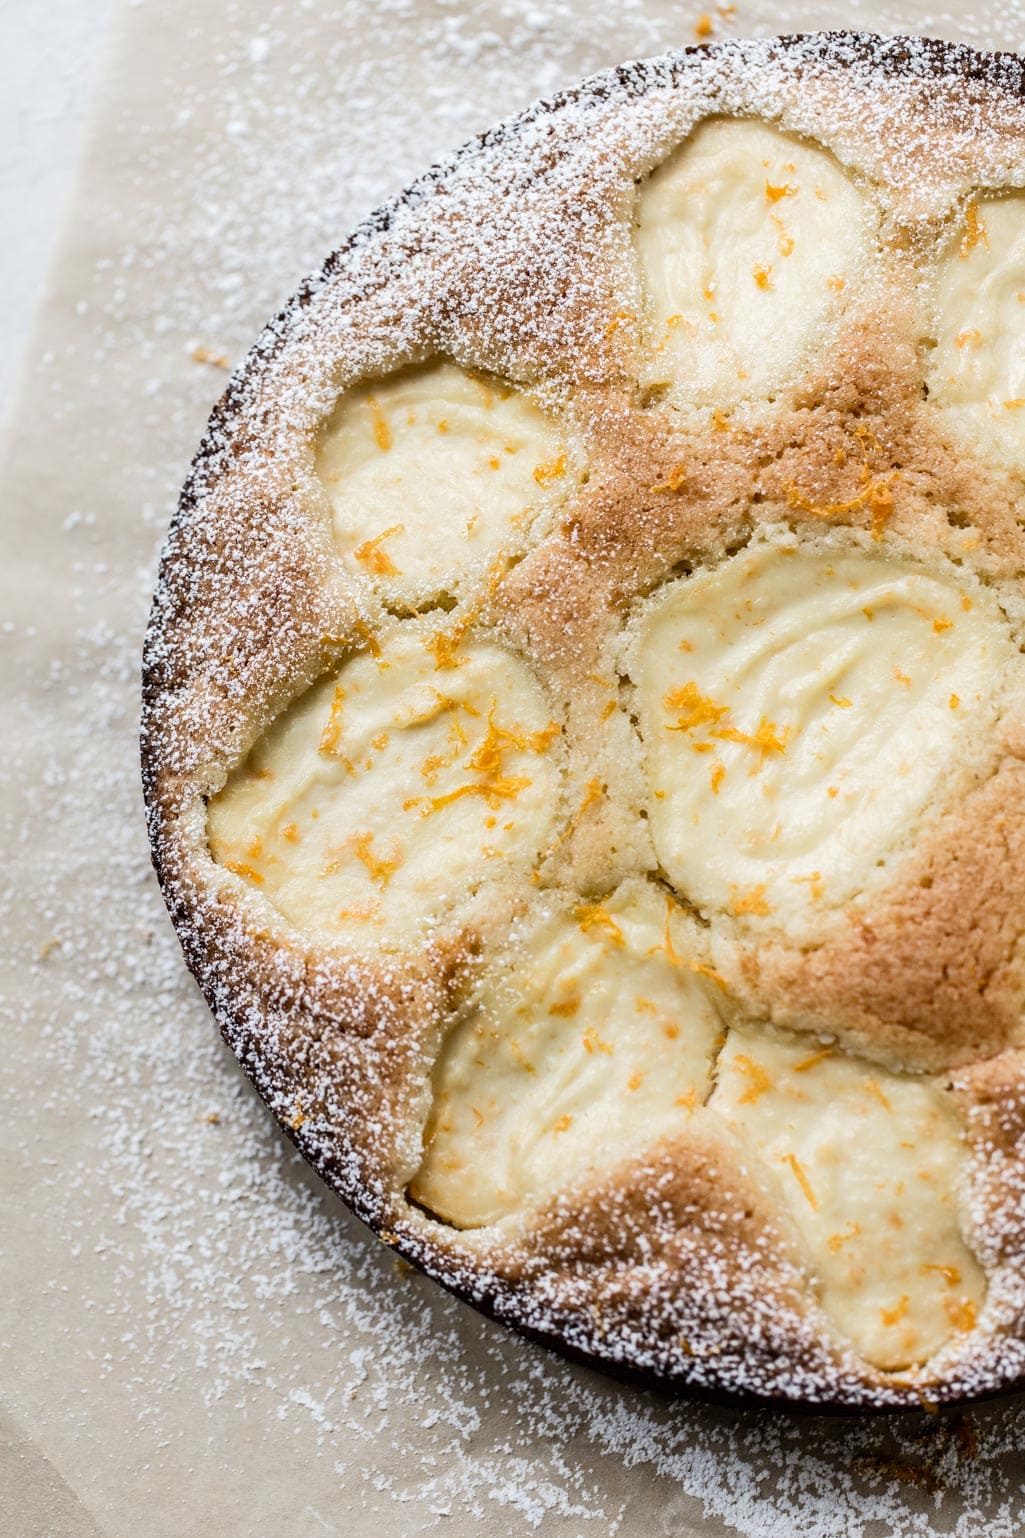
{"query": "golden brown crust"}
{"type": "Point", "coordinates": [515, 259]}
{"type": "Point", "coordinates": [929, 976]}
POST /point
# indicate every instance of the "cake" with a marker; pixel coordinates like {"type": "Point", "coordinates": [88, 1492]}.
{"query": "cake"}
{"type": "Point", "coordinates": [584, 721]}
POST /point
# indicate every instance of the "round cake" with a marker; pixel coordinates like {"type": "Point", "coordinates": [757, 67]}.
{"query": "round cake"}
{"type": "Point", "coordinates": [584, 723]}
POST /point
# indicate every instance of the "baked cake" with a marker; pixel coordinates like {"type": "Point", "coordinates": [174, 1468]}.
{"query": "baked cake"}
{"type": "Point", "coordinates": [584, 732]}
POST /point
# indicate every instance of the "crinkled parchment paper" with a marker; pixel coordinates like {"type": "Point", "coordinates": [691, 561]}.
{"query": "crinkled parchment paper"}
{"type": "Point", "coordinates": [197, 1338]}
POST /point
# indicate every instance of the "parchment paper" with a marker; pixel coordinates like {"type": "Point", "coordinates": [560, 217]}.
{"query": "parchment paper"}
{"type": "Point", "coordinates": [196, 1338]}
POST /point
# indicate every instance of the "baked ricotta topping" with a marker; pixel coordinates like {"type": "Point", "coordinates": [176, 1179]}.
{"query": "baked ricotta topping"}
{"type": "Point", "coordinates": [385, 793]}
{"type": "Point", "coordinates": [800, 708]}
{"type": "Point", "coordinates": [596, 1040]}
{"type": "Point", "coordinates": [868, 1164]}
{"type": "Point", "coordinates": [977, 364]}
{"type": "Point", "coordinates": [747, 240]}
{"type": "Point", "coordinates": [433, 472]}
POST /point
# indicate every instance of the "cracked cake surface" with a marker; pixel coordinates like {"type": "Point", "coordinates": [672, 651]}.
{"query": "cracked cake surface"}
{"type": "Point", "coordinates": [584, 721]}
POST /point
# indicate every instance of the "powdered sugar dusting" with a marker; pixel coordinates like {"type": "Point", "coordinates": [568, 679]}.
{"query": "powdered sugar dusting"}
{"type": "Point", "coordinates": [223, 1286]}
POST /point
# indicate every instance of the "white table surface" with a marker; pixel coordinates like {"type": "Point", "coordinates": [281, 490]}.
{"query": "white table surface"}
{"type": "Point", "coordinates": [49, 55]}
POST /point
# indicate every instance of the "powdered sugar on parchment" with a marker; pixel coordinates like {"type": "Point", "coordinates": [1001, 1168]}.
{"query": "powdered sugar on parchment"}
{"type": "Point", "coordinates": [193, 1272]}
